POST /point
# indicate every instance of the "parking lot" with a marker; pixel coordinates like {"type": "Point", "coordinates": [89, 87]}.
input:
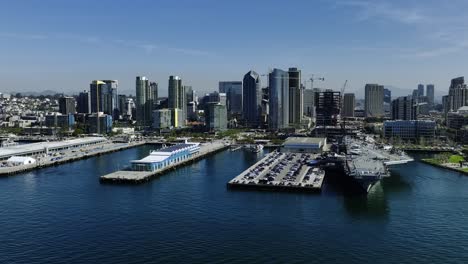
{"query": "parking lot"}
{"type": "Point", "coordinates": [282, 170]}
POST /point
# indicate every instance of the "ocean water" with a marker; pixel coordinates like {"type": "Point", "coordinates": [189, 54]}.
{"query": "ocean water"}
{"type": "Point", "coordinates": [64, 215]}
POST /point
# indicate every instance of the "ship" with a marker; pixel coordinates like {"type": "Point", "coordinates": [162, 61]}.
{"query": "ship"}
{"type": "Point", "coordinates": [255, 148]}
{"type": "Point", "coordinates": [367, 163]}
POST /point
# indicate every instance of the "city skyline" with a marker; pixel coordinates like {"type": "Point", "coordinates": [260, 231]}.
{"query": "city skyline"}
{"type": "Point", "coordinates": [72, 45]}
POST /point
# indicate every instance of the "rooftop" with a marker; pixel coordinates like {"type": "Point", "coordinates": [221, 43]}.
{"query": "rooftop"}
{"type": "Point", "coordinates": [304, 140]}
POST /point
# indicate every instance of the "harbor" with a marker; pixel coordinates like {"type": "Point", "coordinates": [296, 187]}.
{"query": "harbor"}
{"type": "Point", "coordinates": [163, 160]}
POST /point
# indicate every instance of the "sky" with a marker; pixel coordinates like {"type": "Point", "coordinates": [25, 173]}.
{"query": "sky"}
{"type": "Point", "coordinates": [63, 45]}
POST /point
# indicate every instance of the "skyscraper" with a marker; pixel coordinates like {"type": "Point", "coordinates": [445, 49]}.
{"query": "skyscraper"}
{"type": "Point", "coordinates": [309, 104]}
{"type": "Point", "coordinates": [177, 96]}
{"type": "Point", "coordinates": [279, 99]}
{"type": "Point", "coordinates": [251, 98]}
{"type": "Point", "coordinates": [430, 94]}
{"type": "Point", "coordinates": [142, 86]}
{"type": "Point", "coordinates": [104, 96]}
{"type": "Point", "coordinates": [420, 90]}
{"type": "Point", "coordinates": [349, 103]}
{"type": "Point", "coordinates": [155, 94]}
{"type": "Point", "coordinates": [66, 105]}
{"type": "Point", "coordinates": [374, 99]}
{"type": "Point", "coordinates": [458, 94]}
{"type": "Point", "coordinates": [84, 102]}
{"type": "Point", "coordinates": [216, 117]}
{"type": "Point", "coordinates": [296, 103]}
{"type": "Point", "coordinates": [233, 91]}
{"type": "Point", "coordinates": [404, 108]}
{"type": "Point", "coordinates": [327, 107]}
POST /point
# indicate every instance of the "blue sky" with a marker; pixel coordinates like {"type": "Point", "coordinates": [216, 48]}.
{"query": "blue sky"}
{"type": "Point", "coordinates": [63, 45]}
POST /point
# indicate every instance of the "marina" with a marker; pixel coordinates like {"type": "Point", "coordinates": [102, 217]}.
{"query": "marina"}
{"type": "Point", "coordinates": [281, 171]}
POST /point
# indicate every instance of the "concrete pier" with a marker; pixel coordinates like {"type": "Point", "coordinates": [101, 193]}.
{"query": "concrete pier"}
{"type": "Point", "coordinates": [137, 177]}
{"type": "Point", "coordinates": [69, 155]}
{"type": "Point", "coordinates": [282, 172]}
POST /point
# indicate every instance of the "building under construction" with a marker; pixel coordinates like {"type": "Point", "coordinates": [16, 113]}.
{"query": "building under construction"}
{"type": "Point", "coordinates": [327, 107]}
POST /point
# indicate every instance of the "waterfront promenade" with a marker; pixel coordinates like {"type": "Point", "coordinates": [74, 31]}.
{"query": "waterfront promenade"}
{"type": "Point", "coordinates": [135, 177]}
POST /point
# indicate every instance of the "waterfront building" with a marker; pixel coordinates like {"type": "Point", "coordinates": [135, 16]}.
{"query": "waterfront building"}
{"type": "Point", "coordinates": [84, 102]}
{"type": "Point", "coordinates": [327, 107]}
{"type": "Point", "coordinates": [216, 117]}
{"type": "Point", "coordinates": [66, 105]}
{"type": "Point", "coordinates": [404, 108]}
{"type": "Point", "coordinates": [233, 91]}
{"type": "Point", "coordinates": [296, 100]}
{"type": "Point", "coordinates": [459, 119]}
{"type": "Point", "coordinates": [410, 130]}
{"type": "Point", "coordinates": [304, 145]}
{"type": "Point", "coordinates": [41, 148]}
{"type": "Point", "coordinates": [177, 118]}
{"type": "Point", "coordinates": [104, 126]}
{"type": "Point", "coordinates": [349, 103]}
{"type": "Point", "coordinates": [166, 157]}
{"type": "Point", "coordinates": [251, 98]}
{"type": "Point", "coordinates": [162, 119]}
{"type": "Point", "coordinates": [279, 100]}
{"type": "Point", "coordinates": [374, 99]}
{"type": "Point", "coordinates": [58, 120]}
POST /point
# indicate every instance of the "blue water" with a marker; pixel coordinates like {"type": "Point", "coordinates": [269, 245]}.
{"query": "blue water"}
{"type": "Point", "coordinates": [64, 215]}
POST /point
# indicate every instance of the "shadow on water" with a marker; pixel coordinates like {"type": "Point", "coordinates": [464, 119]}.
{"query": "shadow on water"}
{"type": "Point", "coordinates": [372, 205]}
{"type": "Point", "coordinates": [356, 201]}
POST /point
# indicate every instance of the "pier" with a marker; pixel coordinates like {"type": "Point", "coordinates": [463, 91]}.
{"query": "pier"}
{"type": "Point", "coordinates": [137, 177]}
{"type": "Point", "coordinates": [69, 155]}
{"type": "Point", "coordinates": [282, 172]}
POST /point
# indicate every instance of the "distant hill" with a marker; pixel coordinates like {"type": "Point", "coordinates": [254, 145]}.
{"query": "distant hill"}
{"type": "Point", "coordinates": [45, 93]}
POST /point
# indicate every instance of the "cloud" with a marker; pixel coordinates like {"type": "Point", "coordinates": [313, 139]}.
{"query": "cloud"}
{"type": "Point", "coordinates": [384, 10]}
{"type": "Point", "coordinates": [140, 45]}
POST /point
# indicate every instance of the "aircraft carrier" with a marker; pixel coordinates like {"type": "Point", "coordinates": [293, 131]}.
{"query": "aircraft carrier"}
{"type": "Point", "coordinates": [368, 163]}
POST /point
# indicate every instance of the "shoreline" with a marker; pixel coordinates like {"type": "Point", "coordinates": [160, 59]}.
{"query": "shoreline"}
{"type": "Point", "coordinates": [444, 167]}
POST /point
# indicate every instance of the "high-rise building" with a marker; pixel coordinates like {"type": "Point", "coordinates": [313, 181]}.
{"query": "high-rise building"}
{"type": "Point", "coordinates": [154, 92]}
{"type": "Point", "coordinates": [296, 103]}
{"type": "Point", "coordinates": [216, 117]}
{"type": "Point", "coordinates": [387, 96]}
{"type": "Point", "coordinates": [374, 99]}
{"type": "Point", "coordinates": [279, 99]}
{"type": "Point", "coordinates": [251, 98]}
{"type": "Point", "coordinates": [177, 96]}
{"type": "Point", "coordinates": [404, 108]}
{"type": "Point", "coordinates": [142, 84]}
{"type": "Point", "coordinates": [190, 94]}
{"type": "Point", "coordinates": [67, 105]}
{"type": "Point", "coordinates": [458, 94]}
{"type": "Point", "coordinates": [349, 103]}
{"type": "Point", "coordinates": [327, 107]}
{"type": "Point", "coordinates": [104, 96]}
{"type": "Point", "coordinates": [430, 94]}
{"type": "Point", "coordinates": [122, 105]}
{"type": "Point", "coordinates": [233, 91]}
{"type": "Point", "coordinates": [420, 90]}
{"type": "Point", "coordinates": [309, 108]}
{"type": "Point", "coordinates": [162, 119]}
{"type": "Point", "coordinates": [84, 102]}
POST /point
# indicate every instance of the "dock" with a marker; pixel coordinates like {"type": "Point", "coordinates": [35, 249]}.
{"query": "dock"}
{"type": "Point", "coordinates": [70, 155]}
{"type": "Point", "coordinates": [138, 177]}
{"type": "Point", "coordinates": [282, 172]}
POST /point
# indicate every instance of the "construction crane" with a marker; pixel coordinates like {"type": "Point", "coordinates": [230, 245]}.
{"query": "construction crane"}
{"type": "Point", "coordinates": [312, 79]}
{"type": "Point", "coordinates": [344, 87]}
